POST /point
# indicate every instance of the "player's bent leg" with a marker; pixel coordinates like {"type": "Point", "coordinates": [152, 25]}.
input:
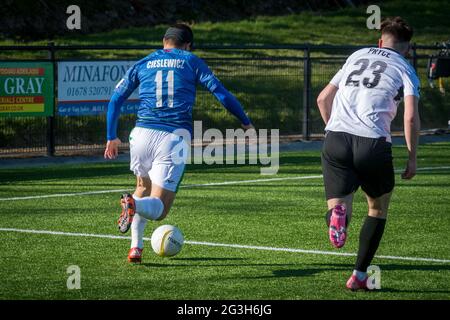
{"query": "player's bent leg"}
{"type": "Point", "coordinates": [156, 206]}
{"type": "Point", "coordinates": [148, 206]}
{"type": "Point", "coordinates": [347, 202]}
{"type": "Point", "coordinates": [340, 181]}
{"type": "Point", "coordinates": [137, 238]}
{"type": "Point", "coordinates": [153, 202]}
{"type": "Point", "coordinates": [167, 173]}
{"type": "Point", "coordinates": [369, 239]}
{"type": "Point", "coordinates": [128, 211]}
{"type": "Point", "coordinates": [156, 188]}
{"type": "Point", "coordinates": [143, 189]}
{"type": "Point", "coordinates": [167, 198]}
{"type": "Point", "coordinates": [378, 207]}
{"type": "Point", "coordinates": [337, 217]}
{"type": "Point", "coordinates": [140, 164]}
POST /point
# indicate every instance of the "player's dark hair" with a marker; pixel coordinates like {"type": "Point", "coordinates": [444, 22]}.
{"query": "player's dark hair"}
{"type": "Point", "coordinates": [398, 28]}
{"type": "Point", "coordinates": [180, 34]}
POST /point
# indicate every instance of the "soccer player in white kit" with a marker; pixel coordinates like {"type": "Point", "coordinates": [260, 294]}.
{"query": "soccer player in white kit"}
{"type": "Point", "coordinates": [167, 80]}
{"type": "Point", "coordinates": [358, 106]}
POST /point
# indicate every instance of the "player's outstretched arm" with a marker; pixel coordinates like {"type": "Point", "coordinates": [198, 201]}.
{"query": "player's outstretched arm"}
{"type": "Point", "coordinates": [411, 121]}
{"type": "Point", "coordinates": [210, 82]}
{"type": "Point", "coordinates": [325, 101]}
{"type": "Point", "coordinates": [112, 121]}
{"type": "Point", "coordinates": [112, 148]}
{"type": "Point", "coordinates": [232, 105]}
{"type": "Point", "coordinates": [123, 90]}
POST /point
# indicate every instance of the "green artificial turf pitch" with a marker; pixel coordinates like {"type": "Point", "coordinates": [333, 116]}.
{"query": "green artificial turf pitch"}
{"type": "Point", "coordinates": [280, 213]}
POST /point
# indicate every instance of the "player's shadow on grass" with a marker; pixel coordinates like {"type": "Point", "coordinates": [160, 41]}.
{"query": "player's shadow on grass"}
{"type": "Point", "coordinates": [392, 290]}
{"type": "Point", "coordinates": [389, 267]}
{"type": "Point", "coordinates": [207, 259]}
{"type": "Point", "coordinates": [67, 173]}
{"type": "Point", "coordinates": [393, 267]}
{"type": "Point", "coordinates": [207, 265]}
{"type": "Point", "coordinates": [290, 273]}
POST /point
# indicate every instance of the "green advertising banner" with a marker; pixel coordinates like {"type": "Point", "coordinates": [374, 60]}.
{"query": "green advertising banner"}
{"type": "Point", "coordinates": [26, 89]}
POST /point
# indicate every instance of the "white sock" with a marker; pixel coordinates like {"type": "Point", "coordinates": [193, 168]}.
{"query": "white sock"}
{"type": "Point", "coordinates": [137, 231]}
{"type": "Point", "coordinates": [360, 275]}
{"type": "Point", "coordinates": [150, 208]}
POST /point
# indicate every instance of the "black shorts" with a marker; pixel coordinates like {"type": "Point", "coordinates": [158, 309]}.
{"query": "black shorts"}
{"type": "Point", "coordinates": [350, 161]}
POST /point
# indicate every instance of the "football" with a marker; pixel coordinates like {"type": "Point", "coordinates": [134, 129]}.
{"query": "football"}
{"type": "Point", "coordinates": [167, 240]}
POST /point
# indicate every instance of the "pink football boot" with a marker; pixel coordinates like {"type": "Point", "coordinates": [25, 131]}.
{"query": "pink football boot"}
{"type": "Point", "coordinates": [355, 284]}
{"type": "Point", "coordinates": [338, 226]}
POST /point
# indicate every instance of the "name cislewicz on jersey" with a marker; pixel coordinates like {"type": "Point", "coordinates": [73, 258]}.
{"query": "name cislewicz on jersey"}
{"type": "Point", "coordinates": [166, 63]}
{"type": "Point", "coordinates": [371, 84]}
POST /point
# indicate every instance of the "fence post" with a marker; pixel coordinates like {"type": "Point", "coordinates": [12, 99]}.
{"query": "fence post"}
{"type": "Point", "coordinates": [51, 119]}
{"type": "Point", "coordinates": [306, 93]}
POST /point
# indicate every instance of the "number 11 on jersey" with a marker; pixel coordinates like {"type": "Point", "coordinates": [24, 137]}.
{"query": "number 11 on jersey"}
{"type": "Point", "coordinates": [159, 88]}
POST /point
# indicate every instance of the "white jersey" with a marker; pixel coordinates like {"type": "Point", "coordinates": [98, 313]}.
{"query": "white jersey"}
{"type": "Point", "coordinates": [371, 84]}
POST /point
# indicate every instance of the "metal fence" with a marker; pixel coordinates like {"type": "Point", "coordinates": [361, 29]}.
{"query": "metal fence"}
{"type": "Point", "coordinates": [277, 85]}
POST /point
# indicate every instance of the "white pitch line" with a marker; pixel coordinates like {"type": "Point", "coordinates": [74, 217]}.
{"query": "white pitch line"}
{"type": "Point", "coordinates": [212, 244]}
{"type": "Point", "coordinates": [182, 186]}
{"type": "Point", "coordinates": [250, 181]}
{"type": "Point", "coordinates": [426, 168]}
{"type": "Point", "coordinates": [56, 195]}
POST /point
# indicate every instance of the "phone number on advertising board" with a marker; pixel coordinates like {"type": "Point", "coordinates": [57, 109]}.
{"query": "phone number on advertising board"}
{"type": "Point", "coordinates": [88, 91]}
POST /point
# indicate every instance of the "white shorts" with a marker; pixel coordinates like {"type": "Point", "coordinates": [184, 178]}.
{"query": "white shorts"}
{"type": "Point", "coordinates": [159, 155]}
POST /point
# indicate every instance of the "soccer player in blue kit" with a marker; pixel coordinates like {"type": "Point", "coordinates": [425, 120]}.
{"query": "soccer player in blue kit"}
{"type": "Point", "coordinates": [167, 80]}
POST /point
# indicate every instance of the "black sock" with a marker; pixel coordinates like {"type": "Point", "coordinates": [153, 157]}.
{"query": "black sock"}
{"type": "Point", "coordinates": [369, 239]}
{"type": "Point", "coordinates": [328, 218]}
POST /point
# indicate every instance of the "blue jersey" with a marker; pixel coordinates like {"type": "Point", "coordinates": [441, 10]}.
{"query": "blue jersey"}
{"type": "Point", "coordinates": [167, 81]}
